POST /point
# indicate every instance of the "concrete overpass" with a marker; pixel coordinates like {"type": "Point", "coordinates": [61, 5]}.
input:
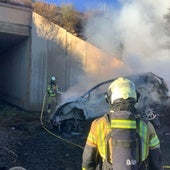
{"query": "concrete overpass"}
{"type": "Point", "coordinates": [15, 24]}
{"type": "Point", "coordinates": [32, 49]}
{"type": "Point", "coordinates": [15, 33]}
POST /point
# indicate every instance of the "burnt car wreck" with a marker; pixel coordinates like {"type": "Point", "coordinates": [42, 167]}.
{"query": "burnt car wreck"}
{"type": "Point", "coordinates": [153, 104]}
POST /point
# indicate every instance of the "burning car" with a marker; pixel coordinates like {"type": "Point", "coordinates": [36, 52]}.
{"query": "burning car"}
{"type": "Point", "coordinates": [153, 103]}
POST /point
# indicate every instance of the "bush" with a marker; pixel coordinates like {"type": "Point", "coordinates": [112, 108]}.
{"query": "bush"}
{"type": "Point", "coordinates": [65, 16]}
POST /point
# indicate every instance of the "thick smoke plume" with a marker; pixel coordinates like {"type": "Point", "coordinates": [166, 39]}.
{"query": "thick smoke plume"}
{"type": "Point", "coordinates": [135, 33]}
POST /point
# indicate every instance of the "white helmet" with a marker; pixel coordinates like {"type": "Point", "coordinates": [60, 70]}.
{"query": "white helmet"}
{"type": "Point", "coordinates": [52, 78]}
{"type": "Point", "coordinates": [121, 88]}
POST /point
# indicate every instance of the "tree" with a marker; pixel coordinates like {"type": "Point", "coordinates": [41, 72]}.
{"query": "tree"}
{"type": "Point", "coordinates": [64, 16]}
{"type": "Point", "coordinates": [69, 19]}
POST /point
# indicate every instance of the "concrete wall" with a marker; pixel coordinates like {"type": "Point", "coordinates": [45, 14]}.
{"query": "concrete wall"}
{"type": "Point", "coordinates": [15, 19]}
{"type": "Point", "coordinates": [15, 23]}
{"type": "Point", "coordinates": [26, 68]}
{"type": "Point", "coordinates": [25, 3]}
{"type": "Point", "coordinates": [55, 52]}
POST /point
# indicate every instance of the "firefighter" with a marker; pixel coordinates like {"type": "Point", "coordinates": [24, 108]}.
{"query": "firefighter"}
{"type": "Point", "coordinates": [52, 91]}
{"type": "Point", "coordinates": [121, 97]}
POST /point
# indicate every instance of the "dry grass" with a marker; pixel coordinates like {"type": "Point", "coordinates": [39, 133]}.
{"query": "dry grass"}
{"type": "Point", "coordinates": [64, 16]}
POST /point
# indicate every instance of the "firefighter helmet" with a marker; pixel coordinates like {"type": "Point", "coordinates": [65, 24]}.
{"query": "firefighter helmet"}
{"type": "Point", "coordinates": [121, 88]}
{"type": "Point", "coordinates": [53, 78]}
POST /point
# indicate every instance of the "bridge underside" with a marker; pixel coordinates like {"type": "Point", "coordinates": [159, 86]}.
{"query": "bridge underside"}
{"type": "Point", "coordinates": [15, 53]}
{"type": "Point", "coordinates": [15, 23]}
{"type": "Point", "coordinates": [11, 34]}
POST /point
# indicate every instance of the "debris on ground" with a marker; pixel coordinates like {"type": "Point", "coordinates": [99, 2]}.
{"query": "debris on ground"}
{"type": "Point", "coordinates": [24, 143]}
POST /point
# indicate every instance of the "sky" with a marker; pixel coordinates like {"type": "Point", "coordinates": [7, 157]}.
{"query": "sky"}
{"type": "Point", "coordinates": [84, 5]}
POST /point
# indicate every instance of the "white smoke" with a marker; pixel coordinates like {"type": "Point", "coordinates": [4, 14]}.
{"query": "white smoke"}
{"type": "Point", "coordinates": [135, 34]}
{"type": "Point", "coordinates": [137, 29]}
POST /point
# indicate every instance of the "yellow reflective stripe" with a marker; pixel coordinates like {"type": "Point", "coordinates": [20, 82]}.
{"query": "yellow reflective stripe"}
{"type": "Point", "coordinates": [84, 168]}
{"type": "Point", "coordinates": [52, 95]}
{"type": "Point", "coordinates": [99, 134]}
{"type": "Point", "coordinates": [101, 139]}
{"type": "Point", "coordinates": [143, 137]}
{"type": "Point", "coordinates": [127, 124]}
{"type": "Point", "coordinates": [154, 141]}
{"type": "Point", "coordinates": [91, 138]}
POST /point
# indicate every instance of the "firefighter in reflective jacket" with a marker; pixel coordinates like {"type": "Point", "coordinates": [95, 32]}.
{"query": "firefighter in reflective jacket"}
{"type": "Point", "coordinates": [52, 95]}
{"type": "Point", "coordinates": [121, 96]}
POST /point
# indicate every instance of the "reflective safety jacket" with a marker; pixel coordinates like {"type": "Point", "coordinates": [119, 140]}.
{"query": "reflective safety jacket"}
{"type": "Point", "coordinates": [95, 144]}
{"type": "Point", "coordinates": [52, 90]}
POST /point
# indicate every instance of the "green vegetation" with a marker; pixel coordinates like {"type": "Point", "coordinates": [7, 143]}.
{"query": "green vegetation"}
{"type": "Point", "coordinates": [64, 16]}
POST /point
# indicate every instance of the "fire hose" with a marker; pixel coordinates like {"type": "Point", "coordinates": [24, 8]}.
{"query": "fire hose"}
{"type": "Point", "coordinates": [50, 132]}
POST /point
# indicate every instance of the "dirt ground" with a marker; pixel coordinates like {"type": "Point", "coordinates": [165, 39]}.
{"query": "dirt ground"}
{"type": "Point", "coordinates": [24, 142]}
